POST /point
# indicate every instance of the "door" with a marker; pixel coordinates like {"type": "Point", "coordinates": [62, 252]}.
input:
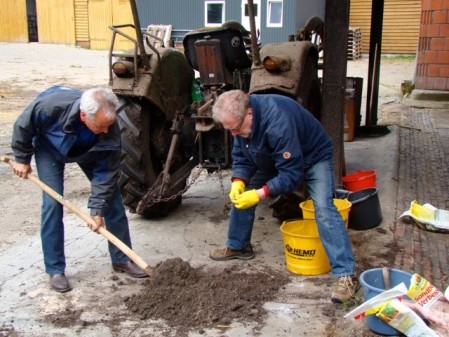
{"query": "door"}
{"type": "Point", "coordinates": [13, 21]}
{"type": "Point", "coordinates": [56, 21]}
{"type": "Point", "coordinates": [245, 15]}
{"type": "Point", "coordinates": [104, 13]}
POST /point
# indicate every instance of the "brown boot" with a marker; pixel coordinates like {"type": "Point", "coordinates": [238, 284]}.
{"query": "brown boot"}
{"type": "Point", "coordinates": [345, 287]}
{"type": "Point", "coordinates": [225, 253]}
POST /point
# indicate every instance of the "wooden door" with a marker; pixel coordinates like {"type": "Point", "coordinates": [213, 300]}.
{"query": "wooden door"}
{"type": "Point", "coordinates": [56, 21]}
{"type": "Point", "coordinates": [13, 21]}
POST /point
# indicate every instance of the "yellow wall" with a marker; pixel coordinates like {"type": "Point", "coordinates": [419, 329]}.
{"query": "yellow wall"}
{"type": "Point", "coordinates": [56, 21]}
{"type": "Point", "coordinates": [400, 24]}
{"type": "Point", "coordinates": [104, 13]}
{"type": "Point", "coordinates": [71, 22]}
{"type": "Point", "coordinates": [13, 21]}
{"type": "Point", "coordinates": [81, 23]}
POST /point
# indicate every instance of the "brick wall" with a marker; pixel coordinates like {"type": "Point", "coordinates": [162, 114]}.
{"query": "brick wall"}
{"type": "Point", "coordinates": [432, 69]}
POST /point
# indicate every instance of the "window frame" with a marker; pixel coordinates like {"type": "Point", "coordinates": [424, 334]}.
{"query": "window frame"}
{"type": "Point", "coordinates": [223, 14]}
{"type": "Point", "coordinates": [269, 3]}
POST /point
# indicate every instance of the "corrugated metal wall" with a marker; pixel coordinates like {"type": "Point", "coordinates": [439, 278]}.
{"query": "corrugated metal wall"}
{"type": "Point", "coordinates": [190, 15]}
{"type": "Point", "coordinates": [400, 25]}
{"type": "Point", "coordinates": [185, 14]}
{"type": "Point", "coordinates": [278, 34]}
{"type": "Point", "coordinates": [295, 15]}
{"type": "Point", "coordinates": [56, 21]}
{"type": "Point", "coordinates": [233, 11]}
{"type": "Point", "coordinates": [13, 21]}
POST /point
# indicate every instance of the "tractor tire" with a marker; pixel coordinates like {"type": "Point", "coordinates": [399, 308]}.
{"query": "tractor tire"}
{"type": "Point", "coordinates": [145, 142]}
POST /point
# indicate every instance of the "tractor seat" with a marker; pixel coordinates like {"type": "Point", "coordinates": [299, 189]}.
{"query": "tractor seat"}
{"type": "Point", "coordinates": [232, 47]}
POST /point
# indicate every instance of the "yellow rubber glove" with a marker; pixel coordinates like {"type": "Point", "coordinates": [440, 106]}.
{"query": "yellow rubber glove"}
{"type": "Point", "coordinates": [237, 188]}
{"type": "Point", "coordinates": [246, 200]}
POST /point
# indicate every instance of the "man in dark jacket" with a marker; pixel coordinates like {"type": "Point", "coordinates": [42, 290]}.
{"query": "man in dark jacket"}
{"type": "Point", "coordinates": [278, 145]}
{"type": "Point", "coordinates": [64, 125]}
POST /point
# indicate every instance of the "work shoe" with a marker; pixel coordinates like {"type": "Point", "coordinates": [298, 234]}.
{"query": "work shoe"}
{"type": "Point", "coordinates": [130, 268]}
{"type": "Point", "coordinates": [225, 253]}
{"type": "Point", "coordinates": [60, 283]}
{"type": "Point", "coordinates": [345, 288]}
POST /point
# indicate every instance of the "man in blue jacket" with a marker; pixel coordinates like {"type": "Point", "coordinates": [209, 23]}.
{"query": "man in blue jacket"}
{"type": "Point", "coordinates": [278, 145]}
{"type": "Point", "coordinates": [64, 125]}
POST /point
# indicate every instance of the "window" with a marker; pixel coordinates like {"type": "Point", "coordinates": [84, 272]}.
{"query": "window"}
{"type": "Point", "coordinates": [274, 13]}
{"type": "Point", "coordinates": [214, 13]}
{"type": "Point", "coordinates": [256, 12]}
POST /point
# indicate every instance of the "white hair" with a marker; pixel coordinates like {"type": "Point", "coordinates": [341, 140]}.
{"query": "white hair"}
{"type": "Point", "coordinates": [95, 99]}
{"type": "Point", "coordinates": [233, 102]}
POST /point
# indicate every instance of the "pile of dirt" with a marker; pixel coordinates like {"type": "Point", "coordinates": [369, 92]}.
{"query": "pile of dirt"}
{"type": "Point", "coordinates": [186, 297]}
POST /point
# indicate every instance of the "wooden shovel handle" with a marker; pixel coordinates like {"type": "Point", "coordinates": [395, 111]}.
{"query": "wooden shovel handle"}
{"type": "Point", "coordinates": [103, 231]}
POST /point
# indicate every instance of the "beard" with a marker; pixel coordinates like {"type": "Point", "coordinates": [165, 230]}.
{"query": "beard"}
{"type": "Point", "coordinates": [245, 133]}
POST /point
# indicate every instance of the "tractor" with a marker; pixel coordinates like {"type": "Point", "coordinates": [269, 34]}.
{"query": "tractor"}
{"type": "Point", "coordinates": [166, 97]}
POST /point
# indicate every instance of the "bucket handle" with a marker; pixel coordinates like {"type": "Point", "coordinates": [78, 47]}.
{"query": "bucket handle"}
{"type": "Point", "coordinates": [344, 188]}
{"type": "Point", "coordinates": [386, 276]}
{"type": "Point", "coordinates": [341, 198]}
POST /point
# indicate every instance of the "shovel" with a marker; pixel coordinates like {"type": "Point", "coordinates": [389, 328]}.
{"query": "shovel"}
{"type": "Point", "coordinates": [103, 231]}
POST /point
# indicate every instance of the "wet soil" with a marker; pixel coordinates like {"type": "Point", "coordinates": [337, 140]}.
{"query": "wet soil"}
{"type": "Point", "coordinates": [184, 296]}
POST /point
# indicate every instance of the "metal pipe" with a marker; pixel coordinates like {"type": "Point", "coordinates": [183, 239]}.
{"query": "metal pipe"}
{"type": "Point", "coordinates": [252, 25]}
{"type": "Point", "coordinates": [139, 37]}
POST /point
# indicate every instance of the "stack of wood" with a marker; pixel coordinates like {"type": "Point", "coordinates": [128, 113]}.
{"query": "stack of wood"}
{"type": "Point", "coordinates": [354, 43]}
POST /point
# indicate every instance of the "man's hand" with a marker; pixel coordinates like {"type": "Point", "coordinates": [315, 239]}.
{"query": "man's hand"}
{"type": "Point", "coordinates": [246, 200]}
{"type": "Point", "coordinates": [436, 314]}
{"type": "Point", "coordinates": [99, 222]}
{"type": "Point", "coordinates": [237, 188]}
{"type": "Point", "coordinates": [21, 170]}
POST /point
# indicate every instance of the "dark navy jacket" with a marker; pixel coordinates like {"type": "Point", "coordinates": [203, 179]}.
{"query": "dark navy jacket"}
{"type": "Point", "coordinates": [48, 124]}
{"type": "Point", "coordinates": [285, 139]}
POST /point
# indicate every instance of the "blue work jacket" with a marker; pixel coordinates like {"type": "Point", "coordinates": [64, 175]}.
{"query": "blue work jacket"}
{"type": "Point", "coordinates": [48, 124]}
{"type": "Point", "coordinates": [285, 140]}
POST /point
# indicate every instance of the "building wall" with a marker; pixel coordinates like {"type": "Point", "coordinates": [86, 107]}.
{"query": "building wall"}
{"type": "Point", "coordinates": [400, 27]}
{"type": "Point", "coordinates": [13, 21]}
{"type": "Point", "coordinates": [189, 15]}
{"type": "Point", "coordinates": [104, 13]}
{"type": "Point", "coordinates": [295, 16]}
{"type": "Point", "coordinates": [64, 21]}
{"type": "Point", "coordinates": [278, 34]}
{"type": "Point", "coordinates": [81, 10]}
{"type": "Point", "coordinates": [305, 10]}
{"type": "Point", "coordinates": [181, 14]}
{"type": "Point", "coordinates": [55, 21]}
{"type": "Point", "coordinates": [432, 70]}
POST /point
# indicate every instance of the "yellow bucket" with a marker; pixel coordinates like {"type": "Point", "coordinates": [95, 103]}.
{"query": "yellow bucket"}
{"type": "Point", "coordinates": [304, 252]}
{"type": "Point", "coordinates": [343, 207]}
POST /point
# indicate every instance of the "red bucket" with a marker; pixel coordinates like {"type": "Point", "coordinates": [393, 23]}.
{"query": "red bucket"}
{"type": "Point", "coordinates": [359, 180]}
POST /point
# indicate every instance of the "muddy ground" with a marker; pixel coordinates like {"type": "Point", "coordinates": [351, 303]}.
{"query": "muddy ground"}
{"type": "Point", "coordinates": [189, 294]}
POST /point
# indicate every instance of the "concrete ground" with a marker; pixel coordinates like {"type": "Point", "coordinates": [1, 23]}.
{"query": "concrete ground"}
{"type": "Point", "coordinates": [30, 308]}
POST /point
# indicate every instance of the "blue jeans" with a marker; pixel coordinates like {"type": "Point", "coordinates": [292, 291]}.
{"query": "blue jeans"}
{"type": "Point", "coordinates": [319, 179]}
{"type": "Point", "coordinates": [51, 173]}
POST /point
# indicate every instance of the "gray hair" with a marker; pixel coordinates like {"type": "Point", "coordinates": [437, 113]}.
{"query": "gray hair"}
{"type": "Point", "coordinates": [95, 99]}
{"type": "Point", "coordinates": [233, 102]}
